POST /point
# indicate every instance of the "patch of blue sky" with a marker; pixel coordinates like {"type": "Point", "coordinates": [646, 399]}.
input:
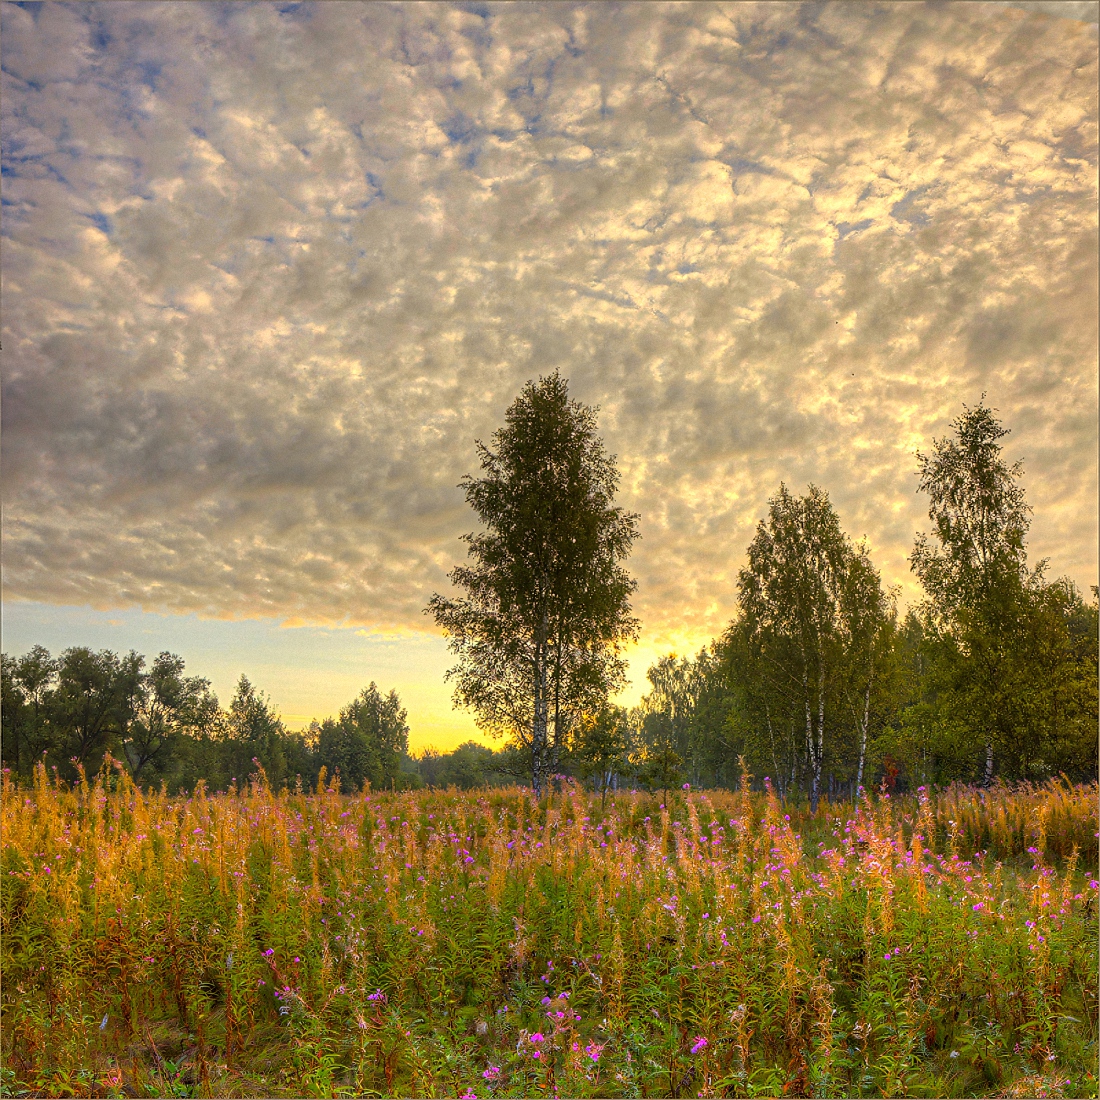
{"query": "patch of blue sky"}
{"type": "Point", "coordinates": [100, 221]}
{"type": "Point", "coordinates": [743, 166]}
{"type": "Point", "coordinates": [622, 300]}
{"type": "Point", "coordinates": [460, 128]}
{"type": "Point", "coordinates": [17, 167]}
{"type": "Point", "coordinates": [480, 35]}
{"type": "Point", "coordinates": [98, 34]}
{"type": "Point", "coordinates": [32, 7]}
{"type": "Point", "coordinates": [476, 7]}
{"type": "Point", "coordinates": [903, 209]}
{"type": "Point", "coordinates": [845, 229]}
{"type": "Point", "coordinates": [150, 70]}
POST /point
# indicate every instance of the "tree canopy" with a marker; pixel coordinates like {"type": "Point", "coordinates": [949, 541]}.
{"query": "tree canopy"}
{"type": "Point", "coordinates": [539, 631]}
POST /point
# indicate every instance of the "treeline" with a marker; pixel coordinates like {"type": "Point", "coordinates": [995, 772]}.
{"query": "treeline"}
{"type": "Point", "coordinates": [819, 684]}
{"type": "Point", "coordinates": [73, 711]}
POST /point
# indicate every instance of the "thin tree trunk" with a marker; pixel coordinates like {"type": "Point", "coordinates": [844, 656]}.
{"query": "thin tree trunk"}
{"type": "Point", "coordinates": [771, 741]}
{"type": "Point", "coordinates": [863, 736]}
{"type": "Point", "coordinates": [989, 762]}
{"type": "Point", "coordinates": [540, 716]}
{"type": "Point", "coordinates": [809, 735]}
{"type": "Point", "coordinates": [819, 757]}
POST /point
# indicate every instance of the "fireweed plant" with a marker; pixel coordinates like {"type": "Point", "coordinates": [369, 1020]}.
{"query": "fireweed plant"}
{"type": "Point", "coordinates": [437, 943]}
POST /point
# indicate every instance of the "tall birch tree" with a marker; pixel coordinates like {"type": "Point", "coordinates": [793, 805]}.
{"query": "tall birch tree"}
{"type": "Point", "coordinates": [810, 605]}
{"type": "Point", "coordinates": [546, 610]}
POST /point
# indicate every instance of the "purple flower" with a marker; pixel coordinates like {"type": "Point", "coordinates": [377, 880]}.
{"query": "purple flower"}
{"type": "Point", "coordinates": [538, 1037]}
{"type": "Point", "coordinates": [700, 1043]}
{"type": "Point", "coordinates": [492, 1073]}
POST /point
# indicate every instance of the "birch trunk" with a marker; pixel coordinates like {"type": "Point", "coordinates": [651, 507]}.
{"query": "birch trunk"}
{"type": "Point", "coordinates": [863, 736]}
{"type": "Point", "coordinates": [810, 739]}
{"type": "Point", "coordinates": [819, 756]}
{"type": "Point", "coordinates": [540, 716]}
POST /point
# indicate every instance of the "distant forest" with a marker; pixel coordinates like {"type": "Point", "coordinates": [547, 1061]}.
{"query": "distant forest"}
{"type": "Point", "coordinates": [819, 684]}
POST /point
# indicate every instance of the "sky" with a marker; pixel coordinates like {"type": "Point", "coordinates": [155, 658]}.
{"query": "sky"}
{"type": "Point", "coordinates": [269, 270]}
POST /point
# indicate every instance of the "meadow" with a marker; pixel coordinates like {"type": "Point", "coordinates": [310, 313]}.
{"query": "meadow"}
{"type": "Point", "coordinates": [437, 943]}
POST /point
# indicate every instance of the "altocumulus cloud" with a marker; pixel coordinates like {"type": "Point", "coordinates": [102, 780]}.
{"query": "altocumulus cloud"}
{"type": "Point", "coordinates": [271, 268]}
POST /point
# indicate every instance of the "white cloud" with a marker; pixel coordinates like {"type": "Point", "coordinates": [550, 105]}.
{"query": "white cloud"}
{"type": "Point", "coordinates": [268, 273]}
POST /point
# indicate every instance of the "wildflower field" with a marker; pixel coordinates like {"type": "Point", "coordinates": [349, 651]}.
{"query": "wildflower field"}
{"type": "Point", "coordinates": [433, 943]}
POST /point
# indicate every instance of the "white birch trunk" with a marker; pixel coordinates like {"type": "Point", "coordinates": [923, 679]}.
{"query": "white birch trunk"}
{"type": "Point", "coordinates": [863, 736]}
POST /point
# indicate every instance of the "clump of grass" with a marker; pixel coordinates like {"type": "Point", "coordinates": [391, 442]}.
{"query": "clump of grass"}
{"type": "Point", "coordinates": [442, 943]}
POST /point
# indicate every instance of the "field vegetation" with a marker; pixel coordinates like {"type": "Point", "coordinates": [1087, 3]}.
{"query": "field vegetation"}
{"type": "Point", "coordinates": [446, 943]}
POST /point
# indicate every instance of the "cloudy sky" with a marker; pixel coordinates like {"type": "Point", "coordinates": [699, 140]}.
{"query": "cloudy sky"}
{"type": "Point", "coordinates": [270, 269]}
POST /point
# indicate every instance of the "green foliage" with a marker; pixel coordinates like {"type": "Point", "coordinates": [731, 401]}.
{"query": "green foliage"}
{"type": "Point", "coordinates": [546, 608]}
{"type": "Point", "coordinates": [466, 767]}
{"type": "Point", "coordinates": [661, 768]}
{"type": "Point", "coordinates": [1011, 687]}
{"type": "Point", "coordinates": [815, 623]}
{"type": "Point", "coordinates": [367, 743]}
{"type": "Point", "coordinates": [601, 746]}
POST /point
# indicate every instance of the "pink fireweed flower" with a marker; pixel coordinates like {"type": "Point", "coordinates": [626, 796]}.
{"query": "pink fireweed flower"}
{"type": "Point", "coordinates": [700, 1043]}
{"type": "Point", "coordinates": [492, 1073]}
{"type": "Point", "coordinates": [538, 1037]}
